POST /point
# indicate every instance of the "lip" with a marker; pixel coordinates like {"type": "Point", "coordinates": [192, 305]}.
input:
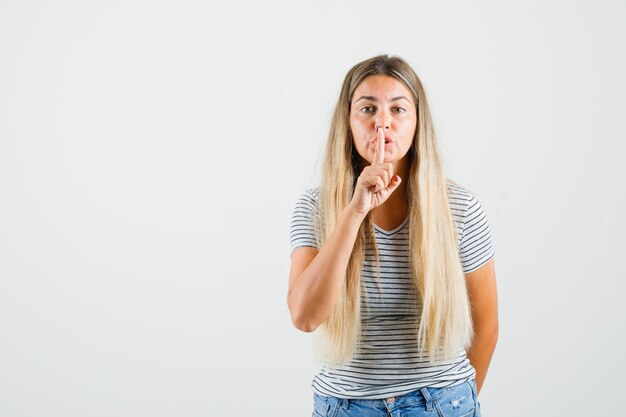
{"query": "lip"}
{"type": "Point", "coordinates": [388, 140]}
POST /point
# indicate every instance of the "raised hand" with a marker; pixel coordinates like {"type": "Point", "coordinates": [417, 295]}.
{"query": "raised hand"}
{"type": "Point", "coordinates": [376, 182]}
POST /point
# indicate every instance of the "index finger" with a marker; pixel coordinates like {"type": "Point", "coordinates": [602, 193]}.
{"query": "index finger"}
{"type": "Point", "coordinates": [379, 154]}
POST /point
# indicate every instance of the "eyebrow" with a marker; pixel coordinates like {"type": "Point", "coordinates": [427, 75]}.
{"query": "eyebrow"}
{"type": "Point", "coordinates": [372, 98]}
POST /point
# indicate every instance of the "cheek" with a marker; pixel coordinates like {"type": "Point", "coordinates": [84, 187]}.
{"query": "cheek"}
{"type": "Point", "coordinates": [409, 129]}
{"type": "Point", "coordinates": [358, 130]}
{"type": "Point", "coordinates": [354, 126]}
{"type": "Point", "coordinates": [355, 132]}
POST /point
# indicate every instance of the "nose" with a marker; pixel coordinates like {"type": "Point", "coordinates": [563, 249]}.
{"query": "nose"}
{"type": "Point", "coordinates": [383, 120]}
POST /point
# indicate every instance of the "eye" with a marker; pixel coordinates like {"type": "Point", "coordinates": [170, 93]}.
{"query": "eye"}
{"type": "Point", "coordinates": [399, 110]}
{"type": "Point", "coordinates": [367, 109]}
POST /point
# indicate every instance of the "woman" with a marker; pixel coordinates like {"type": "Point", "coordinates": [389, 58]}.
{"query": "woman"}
{"type": "Point", "coordinates": [392, 261]}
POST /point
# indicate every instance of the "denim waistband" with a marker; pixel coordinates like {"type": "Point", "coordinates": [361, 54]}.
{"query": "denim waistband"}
{"type": "Point", "coordinates": [422, 396]}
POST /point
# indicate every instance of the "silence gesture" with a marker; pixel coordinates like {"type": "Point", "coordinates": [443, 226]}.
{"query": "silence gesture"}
{"type": "Point", "coordinates": [376, 182]}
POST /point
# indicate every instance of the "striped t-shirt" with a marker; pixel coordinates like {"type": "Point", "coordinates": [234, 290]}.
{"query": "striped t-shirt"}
{"type": "Point", "coordinates": [387, 362]}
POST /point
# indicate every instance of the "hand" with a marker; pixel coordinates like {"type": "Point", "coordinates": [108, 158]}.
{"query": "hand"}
{"type": "Point", "coordinates": [376, 182]}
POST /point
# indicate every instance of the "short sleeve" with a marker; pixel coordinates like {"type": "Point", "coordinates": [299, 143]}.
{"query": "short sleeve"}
{"type": "Point", "coordinates": [475, 248]}
{"type": "Point", "coordinates": [303, 220]}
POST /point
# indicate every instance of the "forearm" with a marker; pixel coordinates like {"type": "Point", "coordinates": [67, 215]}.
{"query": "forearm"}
{"type": "Point", "coordinates": [481, 352]}
{"type": "Point", "coordinates": [315, 292]}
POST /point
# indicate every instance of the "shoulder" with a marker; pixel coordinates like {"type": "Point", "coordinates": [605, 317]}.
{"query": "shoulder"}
{"type": "Point", "coordinates": [308, 203]}
{"type": "Point", "coordinates": [457, 192]}
{"type": "Point", "coordinates": [474, 235]}
{"type": "Point", "coordinates": [460, 198]}
{"type": "Point", "coordinates": [309, 198]}
{"type": "Point", "coordinates": [467, 212]}
{"type": "Point", "coordinates": [312, 193]}
{"type": "Point", "coordinates": [305, 220]}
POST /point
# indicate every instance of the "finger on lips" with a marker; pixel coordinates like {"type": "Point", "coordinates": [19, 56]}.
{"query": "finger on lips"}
{"type": "Point", "coordinates": [380, 177]}
{"type": "Point", "coordinates": [379, 155]}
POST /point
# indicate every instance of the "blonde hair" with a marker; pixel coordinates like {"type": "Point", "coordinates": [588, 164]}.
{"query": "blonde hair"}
{"type": "Point", "coordinates": [445, 322]}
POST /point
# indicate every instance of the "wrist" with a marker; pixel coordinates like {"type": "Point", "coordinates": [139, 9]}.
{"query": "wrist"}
{"type": "Point", "coordinates": [354, 214]}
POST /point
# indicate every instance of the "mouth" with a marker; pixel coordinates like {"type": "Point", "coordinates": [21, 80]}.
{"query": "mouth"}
{"type": "Point", "coordinates": [387, 140]}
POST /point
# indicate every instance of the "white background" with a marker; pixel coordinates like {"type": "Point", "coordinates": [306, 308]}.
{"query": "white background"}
{"type": "Point", "coordinates": [151, 153]}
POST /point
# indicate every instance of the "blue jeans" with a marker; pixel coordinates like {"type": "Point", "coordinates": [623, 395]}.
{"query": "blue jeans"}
{"type": "Point", "coordinates": [457, 401]}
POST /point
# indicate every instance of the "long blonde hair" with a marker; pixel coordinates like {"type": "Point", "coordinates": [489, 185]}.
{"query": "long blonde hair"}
{"type": "Point", "coordinates": [445, 323]}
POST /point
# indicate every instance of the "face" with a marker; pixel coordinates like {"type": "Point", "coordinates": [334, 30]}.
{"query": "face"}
{"type": "Point", "coordinates": [381, 100]}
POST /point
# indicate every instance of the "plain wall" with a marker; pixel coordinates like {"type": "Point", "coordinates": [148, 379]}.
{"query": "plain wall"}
{"type": "Point", "coordinates": [151, 154]}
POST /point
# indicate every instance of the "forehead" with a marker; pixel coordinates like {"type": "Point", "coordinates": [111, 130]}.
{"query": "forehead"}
{"type": "Point", "coordinates": [382, 87]}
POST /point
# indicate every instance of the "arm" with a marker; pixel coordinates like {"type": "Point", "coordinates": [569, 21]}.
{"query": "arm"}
{"type": "Point", "coordinates": [481, 287]}
{"type": "Point", "coordinates": [316, 278]}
